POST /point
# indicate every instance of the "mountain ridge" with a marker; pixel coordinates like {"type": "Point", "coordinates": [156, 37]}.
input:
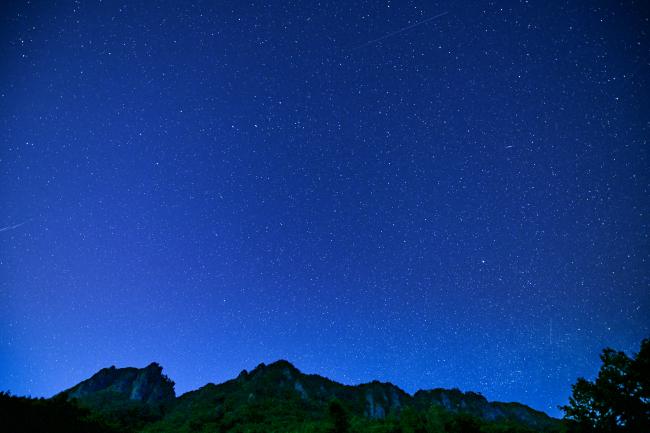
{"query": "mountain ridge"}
{"type": "Point", "coordinates": [278, 390]}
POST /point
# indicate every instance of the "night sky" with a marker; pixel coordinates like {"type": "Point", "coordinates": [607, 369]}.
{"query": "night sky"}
{"type": "Point", "coordinates": [433, 194]}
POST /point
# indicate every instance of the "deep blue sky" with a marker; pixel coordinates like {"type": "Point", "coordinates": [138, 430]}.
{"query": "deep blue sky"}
{"type": "Point", "coordinates": [213, 185]}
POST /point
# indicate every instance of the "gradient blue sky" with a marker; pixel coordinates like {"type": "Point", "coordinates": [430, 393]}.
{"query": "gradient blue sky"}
{"type": "Point", "coordinates": [210, 185]}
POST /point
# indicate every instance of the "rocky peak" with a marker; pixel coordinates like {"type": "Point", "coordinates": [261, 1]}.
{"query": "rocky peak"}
{"type": "Point", "coordinates": [146, 385]}
{"type": "Point", "coordinates": [456, 401]}
{"type": "Point", "coordinates": [382, 399]}
{"type": "Point", "coordinates": [279, 365]}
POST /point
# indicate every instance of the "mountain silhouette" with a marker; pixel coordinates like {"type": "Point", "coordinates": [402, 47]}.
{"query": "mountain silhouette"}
{"type": "Point", "coordinates": [271, 398]}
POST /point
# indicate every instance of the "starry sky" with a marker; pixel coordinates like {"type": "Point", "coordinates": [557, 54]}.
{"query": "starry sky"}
{"type": "Point", "coordinates": [436, 194]}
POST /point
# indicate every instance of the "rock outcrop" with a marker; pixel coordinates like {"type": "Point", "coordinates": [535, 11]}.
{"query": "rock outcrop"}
{"type": "Point", "coordinates": [145, 385]}
{"type": "Point", "coordinates": [456, 401]}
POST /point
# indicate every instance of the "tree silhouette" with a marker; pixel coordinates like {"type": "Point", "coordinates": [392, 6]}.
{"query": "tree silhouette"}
{"type": "Point", "coordinates": [618, 401]}
{"type": "Point", "coordinates": [339, 417]}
